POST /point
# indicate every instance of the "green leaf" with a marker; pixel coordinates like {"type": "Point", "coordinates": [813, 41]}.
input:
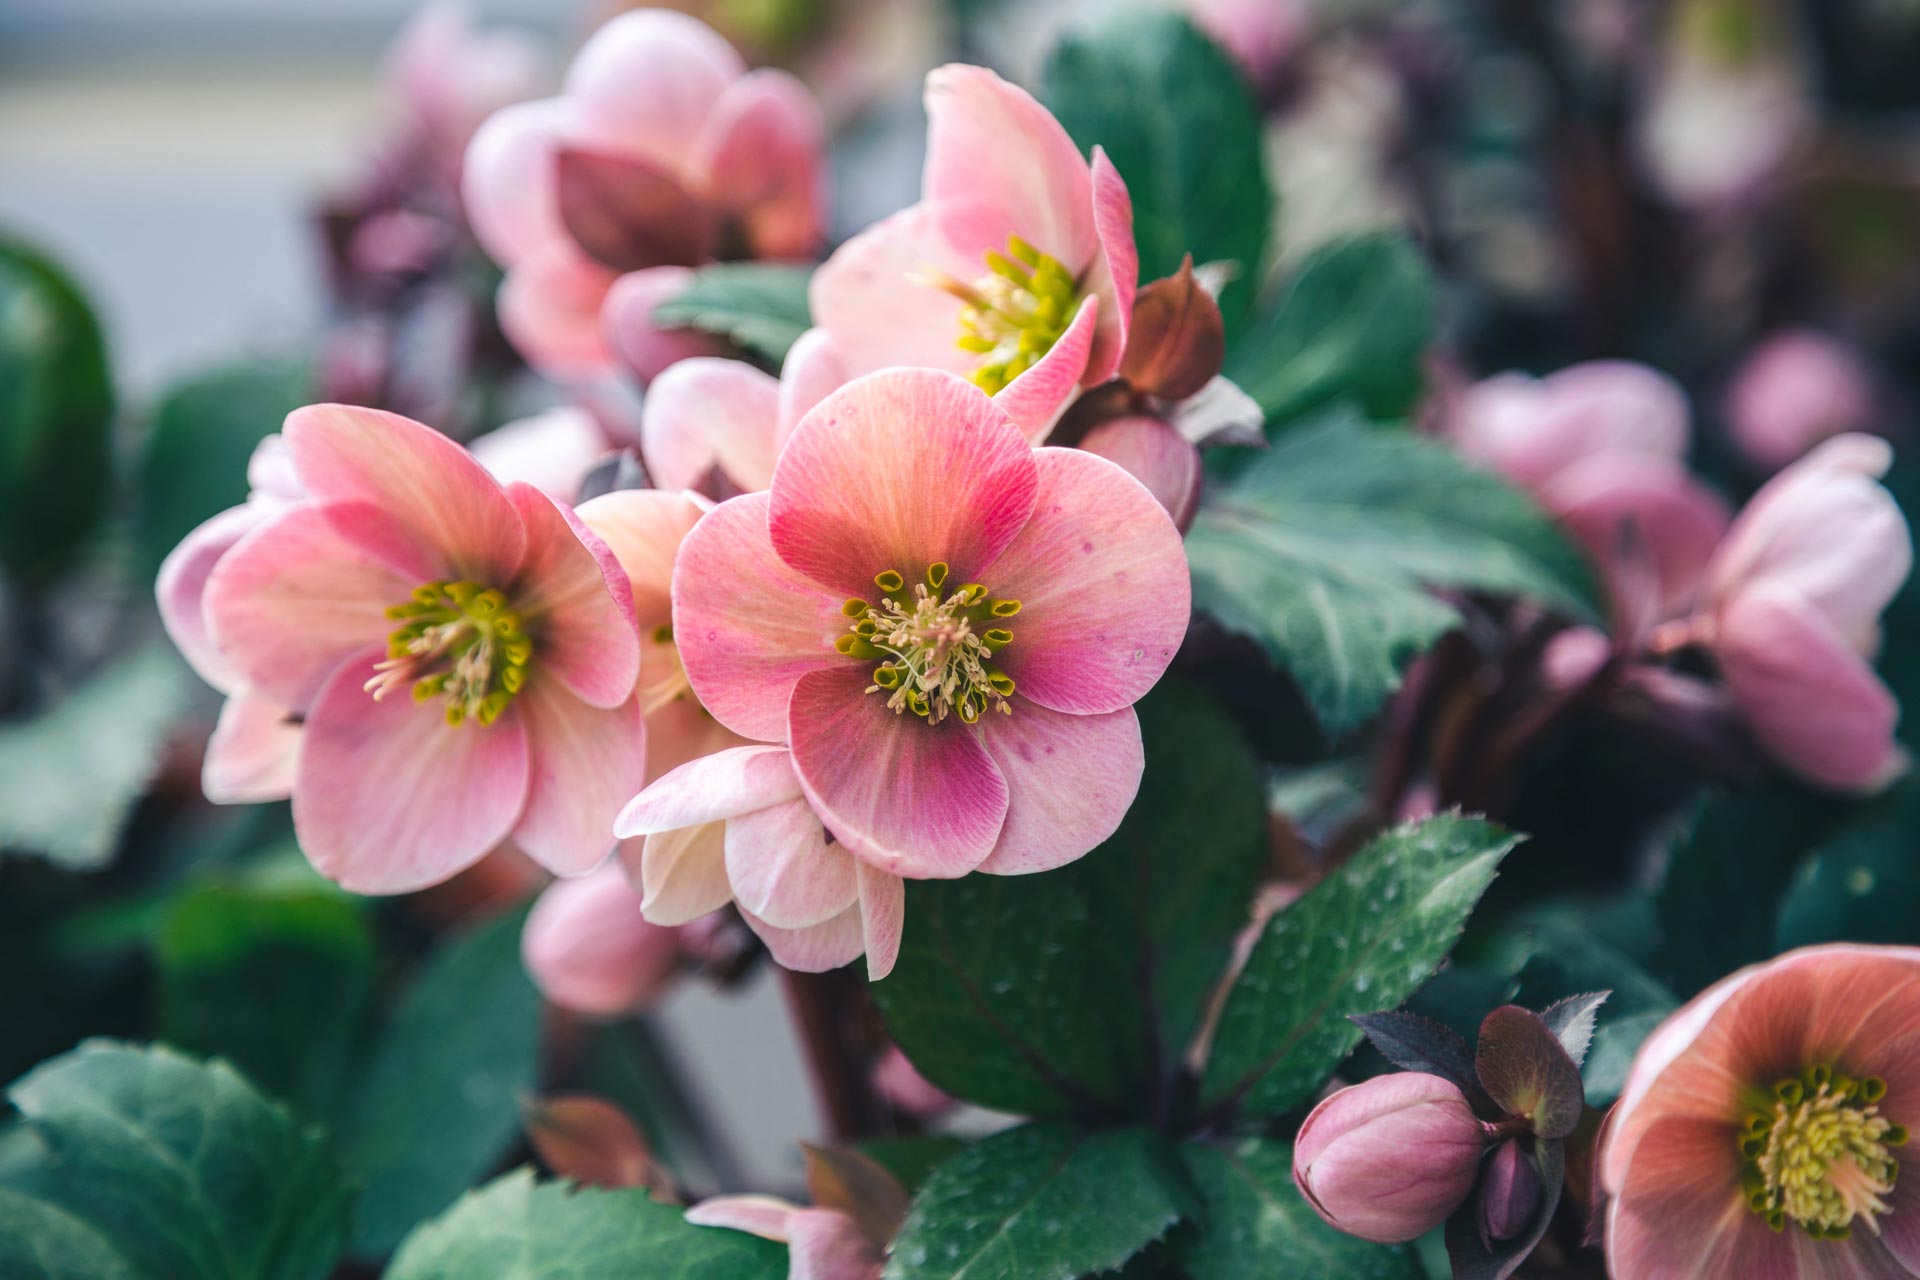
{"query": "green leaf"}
{"type": "Point", "coordinates": [1071, 990]}
{"type": "Point", "coordinates": [1255, 1225]}
{"type": "Point", "coordinates": [1174, 114]}
{"type": "Point", "coordinates": [517, 1229]}
{"type": "Point", "coordinates": [1041, 1202]}
{"type": "Point", "coordinates": [56, 414]}
{"type": "Point", "coordinates": [278, 981]}
{"type": "Point", "coordinates": [440, 1102]}
{"type": "Point", "coordinates": [1860, 881]}
{"type": "Point", "coordinates": [70, 774]}
{"type": "Point", "coordinates": [1325, 550]}
{"type": "Point", "coordinates": [42, 1241]}
{"type": "Point", "coordinates": [1351, 323]}
{"type": "Point", "coordinates": [184, 1166]}
{"type": "Point", "coordinates": [760, 306]}
{"type": "Point", "coordinates": [910, 1160]}
{"type": "Point", "coordinates": [194, 460]}
{"type": "Point", "coordinates": [1363, 939]}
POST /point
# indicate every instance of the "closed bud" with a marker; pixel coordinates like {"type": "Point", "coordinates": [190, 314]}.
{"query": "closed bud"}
{"type": "Point", "coordinates": [1177, 341]}
{"type": "Point", "coordinates": [1390, 1159]}
{"type": "Point", "coordinates": [1509, 1193]}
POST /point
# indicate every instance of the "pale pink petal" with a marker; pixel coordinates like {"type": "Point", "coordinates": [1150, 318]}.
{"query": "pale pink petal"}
{"type": "Point", "coordinates": [705, 413]}
{"type": "Point", "coordinates": [630, 332]}
{"type": "Point", "coordinates": [253, 753]}
{"type": "Point", "coordinates": [293, 600]}
{"type": "Point", "coordinates": [1793, 391]}
{"type": "Point", "coordinates": [1116, 271]}
{"type": "Point", "coordinates": [1620, 506]}
{"type": "Point", "coordinates": [271, 473]}
{"type": "Point", "coordinates": [681, 730]}
{"type": "Point", "coordinates": [918, 800]}
{"type": "Point", "coordinates": [1102, 581]}
{"type": "Point", "coordinates": [550, 310]}
{"type": "Point", "coordinates": [1158, 456]}
{"type": "Point", "coordinates": [1070, 779]}
{"type": "Point", "coordinates": [182, 585]}
{"type": "Point", "coordinates": [552, 451]}
{"type": "Point", "coordinates": [824, 1244]}
{"type": "Point", "coordinates": [748, 626]}
{"type": "Point", "coordinates": [590, 950]}
{"type": "Point", "coordinates": [682, 873]}
{"type": "Point", "coordinates": [1812, 702]}
{"type": "Point", "coordinates": [812, 371]}
{"type": "Point", "coordinates": [783, 870]}
{"type": "Point", "coordinates": [712, 789]}
{"type": "Point", "coordinates": [883, 914]}
{"type": "Point", "coordinates": [990, 143]}
{"type": "Point", "coordinates": [427, 482]}
{"type": "Point", "coordinates": [646, 82]}
{"type": "Point", "coordinates": [764, 1216]}
{"type": "Point", "coordinates": [874, 297]}
{"type": "Point", "coordinates": [760, 158]}
{"type": "Point", "coordinates": [509, 182]}
{"type": "Point", "coordinates": [644, 528]}
{"type": "Point", "coordinates": [816, 948]}
{"type": "Point", "coordinates": [390, 798]}
{"type": "Point", "coordinates": [585, 763]}
{"type": "Point", "coordinates": [578, 606]}
{"type": "Point", "coordinates": [1616, 407]}
{"type": "Point", "coordinates": [1036, 399]}
{"type": "Point", "coordinates": [895, 471]}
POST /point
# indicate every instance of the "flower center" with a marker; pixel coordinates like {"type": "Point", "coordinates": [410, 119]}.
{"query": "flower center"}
{"type": "Point", "coordinates": [935, 651]}
{"type": "Point", "coordinates": [1014, 313]}
{"type": "Point", "coordinates": [663, 677]}
{"type": "Point", "coordinates": [458, 641]}
{"type": "Point", "coordinates": [1819, 1154]}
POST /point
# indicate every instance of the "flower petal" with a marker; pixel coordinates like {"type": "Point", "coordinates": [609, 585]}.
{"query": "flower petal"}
{"type": "Point", "coordinates": [764, 1216]}
{"type": "Point", "coordinates": [680, 731]}
{"type": "Point", "coordinates": [644, 528]}
{"type": "Point", "coordinates": [873, 297]}
{"type": "Point", "coordinates": [883, 914]}
{"type": "Point", "coordinates": [647, 80]}
{"type": "Point", "coordinates": [705, 413]}
{"type": "Point", "coordinates": [628, 328]}
{"type": "Point", "coordinates": [552, 451]}
{"type": "Point", "coordinates": [1681, 1211]}
{"type": "Point", "coordinates": [1036, 399]}
{"type": "Point", "coordinates": [682, 873]}
{"type": "Point", "coordinates": [182, 586]}
{"type": "Point", "coordinates": [1116, 271]}
{"type": "Point", "coordinates": [1158, 456]}
{"type": "Point", "coordinates": [550, 310]}
{"type": "Point", "coordinates": [585, 763]}
{"type": "Point", "coordinates": [389, 798]}
{"type": "Point", "coordinates": [897, 470]}
{"type": "Point", "coordinates": [1102, 581]}
{"type": "Point", "coordinates": [813, 370]}
{"type": "Point", "coordinates": [783, 870]}
{"type": "Point", "coordinates": [577, 602]}
{"type": "Point", "coordinates": [588, 948]}
{"type": "Point", "coordinates": [917, 800]}
{"type": "Point", "coordinates": [712, 789]}
{"type": "Point", "coordinates": [507, 185]}
{"type": "Point", "coordinates": [824, 1244]}
{"type": "Point", "coordinates": [816, 948]}
{"type": "Point", "coordinates": [760, 157]}
{"type": "Point", "coordinates": [1675, 521]}
{"type": "Point", "coordinates": [1070, 780]}
{"type": "Point", "coordinates": [748, 626]}
{"type": "Point", "coordinates": [254, 752]}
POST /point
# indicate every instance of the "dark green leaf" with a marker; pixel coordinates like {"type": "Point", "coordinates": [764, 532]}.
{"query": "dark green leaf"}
{"type": "Point", "coordinates": [1255, 1225]}
{"type": "Point", "coordinates": [1351, 323]}
{"type": "Point", "coordinates": [1325, 549]}
{"type": "Point", "coordinates": [1860, 880]}
{"type": "Point", "coordinates": [186, 1168]}
{"type": "Point", "coordinates": [1041, 1202]}
{"type": "Point", "coordinates": [42, 1241]}
{"type": "Point", "coordinates": [910, 1160]}
{"type": "Point", "coordinates": [1363, 939]}
{"type": "Point", "coordinates": [1175, 117]}
{"type": "Point", "coordinates": [517, 1229]}
{"type": "Point", "coordinates": [760, 306]}
{"type": "Point", "coordinates": [441, 1100]}
{"type": "Point", "coordinates": [56, 412]}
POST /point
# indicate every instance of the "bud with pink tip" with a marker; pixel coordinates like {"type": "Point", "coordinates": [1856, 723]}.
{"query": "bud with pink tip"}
{"type": "Point", "coordinates": [1390, 1159]}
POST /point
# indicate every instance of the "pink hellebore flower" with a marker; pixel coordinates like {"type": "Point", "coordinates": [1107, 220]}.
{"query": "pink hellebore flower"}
{"type": "Point", "coordinates": [1260, 35]}
{"type": "Point", "coordinates": [461, 656]}
{"type": "Point", "coordinates": [1016, 269]}
{"type": "Point", "coordinates": [589, 949]}
{"type": "Point", "coordinates": [1792, 613]}
{"type": "Point", "coordinates": [1797, 388]}
{"type": "Point", "coordinates": [662, 152]}
{"type": "Point", "coordinates": [1602, 446]}
{"type": "Point", "coordinates": [1389, 1159]}
{"type": "Point", "coordinates": [947, 627]}
{"type": "Point", "coordinates": [447, 77]}
{"type": "Point", "coordinates": [1762, 1126]}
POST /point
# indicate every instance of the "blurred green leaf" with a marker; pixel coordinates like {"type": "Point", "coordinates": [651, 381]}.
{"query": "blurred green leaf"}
{"type": "Point", "coordinates": [1174, 115]}
{"type": "Point", "coordinates": [70, 774]}
{"type": "Point", "coordinates": [1327, 548]}
{"type": "Point", "coordinates": [41, 1241]}
{"type": "Point", "coordinates": [56, 414]}
{"type": "Point", "coordinates": [184, 1166]}
{"type": "Point", "coordinates": [1041, 1201]}
{"type": "Point", "coordinates": [517, 1229]}
{"type": "Point", "coordinates": [440, 1102]}
{"type": "Point", "coordinates": [760, 306]}
{"type": "Point", "coordinates": [1861, 879]}
{"type": "Point", "coordinates": [1363, 939]}
{"type": "Point", "coordinates": [911, 1160]}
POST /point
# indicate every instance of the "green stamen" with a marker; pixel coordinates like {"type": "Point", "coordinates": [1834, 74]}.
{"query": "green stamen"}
{"type": "Point", "coordinates": [458, 641]}
{"type": "Point", "coordinates": [1014, 313]}
{"type": "Point", "coordinates": [932, 650]}
{"type": "Point", "coordinates": [1820, 1155]}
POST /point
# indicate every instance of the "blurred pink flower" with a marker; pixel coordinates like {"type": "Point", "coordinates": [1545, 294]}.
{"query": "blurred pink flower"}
{"type": "Point", "coordinates": [1017, 268]}
{"type": "Point", "coordinates": [1602, 446]}
{"type": "Point", "coordinates": [947, 627]}
{"type": "Point", "coordinates": [552, 451]}
{"type": "Point", "coordinates": [1261, 35]}
{"type": "Point", "coordinates": [1760, 1128]}
{"type": "Point", "coordinates": [589, 949]}
{"type": "Point", "coordinates": [460, 655]}
{"type": "Point", "coordinates": [1794, 390]}
{"type": "Point", "coordinates": [822, 1244]}
{"type": "Point", "coordinates": [446, 77]}
{"type": "Point", "coordinates": [705, 416]}
{"type": "Point", "coordinates": [662, 152]}
{"type": "Point", "coordinates": [1391, 1158]}
{"type": "Point", "coordinates": [899, 1082]}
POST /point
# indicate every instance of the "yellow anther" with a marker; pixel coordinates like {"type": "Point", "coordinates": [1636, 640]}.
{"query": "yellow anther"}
{"type": "Point", "coordinates": [855, 608]}
{"type": "Point", "coordinates": [937, 574]}
{"type": "Point", "coordinates": [1820, 1154]}
{"type": "Point", "coordinates": [889, 581]}
{"type": "Point", "coordinates": [1003, 608]}
{"type": "Point", "coordinates": [457, 641]}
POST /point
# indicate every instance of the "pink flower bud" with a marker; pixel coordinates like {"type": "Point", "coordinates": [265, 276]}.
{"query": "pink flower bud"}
{"type": "Point", "coordinates": [590, 950]}
{"type": "Point", "coordinates": [1796, 389]}
{"type": "Point", "coordinates": [1156, 455]}
{"type": "Point", "coordinates": [1509, 1194]}
{"type": "Point", "coordinates": [1390, 1159]}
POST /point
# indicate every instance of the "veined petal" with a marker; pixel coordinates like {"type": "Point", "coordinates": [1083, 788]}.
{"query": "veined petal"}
{"type": "Point", "coordinates": [1070, 780]}
{"type": "Point", "coordinates": [874, 297]}
{"type": "Point", "coordinates": [764, 1216]}
{"type": "Point", "coordinates": [813, 370]}
{"type": "Point", "coordinates": [1682, 1212]}
{"type": "Point", "coordinates": [182, 586]}
{"type": "Point", "coordinates": [705, 413]}
{"type": "Point", "coordinates": [1036, 399]}
{"type": "Point", "coordinates": [816, 948]}
{"type": "Point", "coordinates": [712, 789]}
{"type": "Point", "coordinates": [644, 528]}
{"type": "Point", "coordinates": [253, 754]}
{"type": "Point", "coordinates": [681, 731]}
{"type": "Point", "coordinates": [883, 914]}
{"type": "Point", "coordinates": [1115, 276]}
{"type": "Point", "coordinates": [577, 603]}
{"type": "Point", "coordinates": [1158, 456]}
{"type": "Point", "coordinates": [783, 870]}
{"type": "Point", "coordinates": [585, 762]}
{"type": "Point", "coordinates": [682, 873]}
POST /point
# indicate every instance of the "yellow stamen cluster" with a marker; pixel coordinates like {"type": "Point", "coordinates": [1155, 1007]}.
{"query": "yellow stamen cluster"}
{"type": "Point", "coordinates": [1014, 313]}
{"type": "Point", "coordinates": [935, 651]}
{"type": "Point", "coordinates": [458, 641]}
{"type": "Point", "coordinates": [1819, 1154]}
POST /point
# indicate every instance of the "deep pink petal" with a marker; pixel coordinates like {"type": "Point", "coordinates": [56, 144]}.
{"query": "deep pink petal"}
{"type": "Point", "coordinates": [873, 298]}
{"type": "Point", "coordinates": [1102, 581]}
{"type": "Point", "coordinates": [783, 870]}
{"type": "Point", "coordinates": [760, 159]}
{"type": "Point", "coordinates": [293, 600]}
{"type": "Point", "coordinates": [712, 789]}
{"type": "Point", "coordinates": [897, 470]}
{"type": "Point", "coordinates": [705, 413]}
{"type": "Point", "coordinates": [816, 948]}
{"type": "Point", "coordinates": [630, 333]}
{"type": "Point", "coordinates": [1116, 272]}
{"type": "Point", "coordinates": [883, 914]}
{"type": "Point", "coordinates": [917, 800]}
{"type": "Point", "coordinates": [1652, 509]}
{"type": "Point", "coordinates": [813, 370]}
{"type": "Point", "coordinates": [824, 1244]}
{"type": "Point", "coordinates": [552, 451]}
{"type": "Point", "coordinates": [585, 763]}
{"type": "Point", "coordinates": [682, 874]}
{"type": "Point", "coordinates": [1158, 456]}
{"type": "Point", "coordinates": [746, 625]}
{"type": "Point", "coordinates": [253, 754]}
{"type": "Point", "coordinates": [550, 309]}
{"type": "Point", "coordinates": [508, 183]}
{"type": "Point", "coordinates": [578, 606]}
{"type": "Point", "coordinates": [1036, 399]}
{"type": "Point", "coordinates": [390, 798]}
{"type": "Point", "coordinates": [590, 950]}
{"type": "Point", "coordinates": [182, 585]}
{"type": "Point", "coordinates": [646, 83]}
{"type": "Point", "coordinates": [644, 528]}
{"type": "Point", "coordinates": [1070, 779]}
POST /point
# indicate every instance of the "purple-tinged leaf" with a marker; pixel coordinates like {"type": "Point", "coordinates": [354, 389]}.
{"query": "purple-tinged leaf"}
{"type": "Point", "coordinates": [1472, 1255]}
{"type": "Point", "coordinates": [1415, 1043]}
{"type": "Point", "coordinates": [1526, 1072]}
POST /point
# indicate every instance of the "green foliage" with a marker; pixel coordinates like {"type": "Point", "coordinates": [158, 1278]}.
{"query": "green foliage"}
{"type": "Point", "coordinates": [1365, 938]}
{"type": "Point", "coordinates": [760, 306]}
{"type": "Point", "coordinates": [1860, 880]}
{"type": "Point", "coordinates": [1327, 549]}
